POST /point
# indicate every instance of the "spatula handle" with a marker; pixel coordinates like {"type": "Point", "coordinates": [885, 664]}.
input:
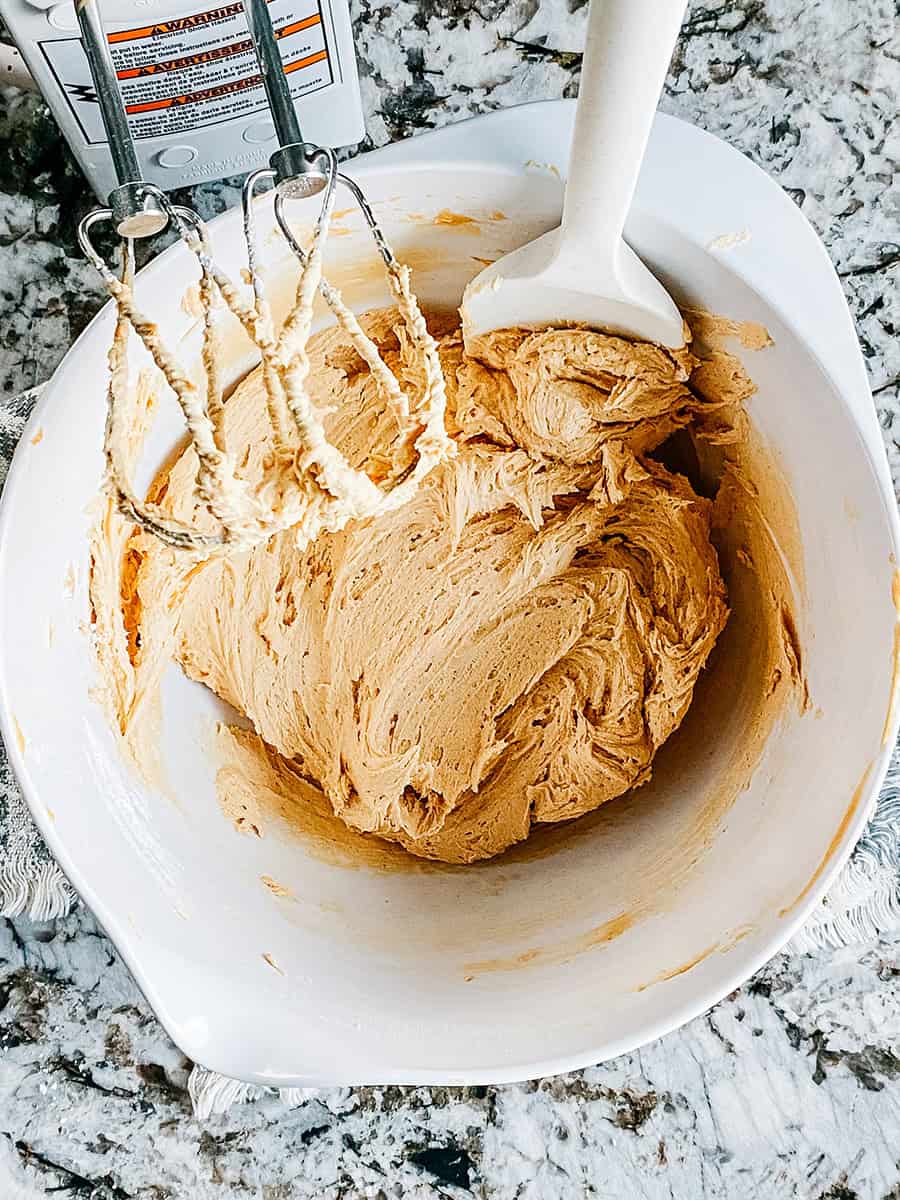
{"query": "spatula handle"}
{"type": "Point", "coordinates": [627, 52]}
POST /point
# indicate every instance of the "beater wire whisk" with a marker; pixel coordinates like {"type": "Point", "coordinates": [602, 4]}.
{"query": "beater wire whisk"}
{"type": "Point", "coordinates": [308, 485]}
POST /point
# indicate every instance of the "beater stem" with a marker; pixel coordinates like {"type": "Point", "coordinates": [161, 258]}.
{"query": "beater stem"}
{"type": "Point", "coordinates": [109, 97]}
{"type": "Point", "coordinates": [135, 209]}
{"type": "Point", "coordinates": [278, 93]}
{"type": "Point", "coordinates": [297, 166]}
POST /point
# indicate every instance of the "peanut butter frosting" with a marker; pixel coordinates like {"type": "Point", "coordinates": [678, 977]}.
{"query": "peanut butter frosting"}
{"type": "Point", "coordinates": [509, 648]}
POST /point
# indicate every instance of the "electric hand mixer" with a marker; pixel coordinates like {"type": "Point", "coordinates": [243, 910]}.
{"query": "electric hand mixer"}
{"type": "Point", "coordinates": [308, 483]}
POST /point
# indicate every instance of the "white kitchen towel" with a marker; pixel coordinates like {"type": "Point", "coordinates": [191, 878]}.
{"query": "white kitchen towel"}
{"type": "Point", "coordinates": [863, 903]}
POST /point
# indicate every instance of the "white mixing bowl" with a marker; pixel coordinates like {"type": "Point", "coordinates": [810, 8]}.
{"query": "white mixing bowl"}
{"type": "Point", "coordinates": [525, 966]}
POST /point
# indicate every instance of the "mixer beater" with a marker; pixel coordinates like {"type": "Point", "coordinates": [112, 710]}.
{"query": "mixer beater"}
{"type": "Point", "coordinates": [308, 484]}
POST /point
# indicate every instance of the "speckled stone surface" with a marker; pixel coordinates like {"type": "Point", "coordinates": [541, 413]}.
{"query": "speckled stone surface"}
{"type": "Point", "coordinates": [791, 1086]}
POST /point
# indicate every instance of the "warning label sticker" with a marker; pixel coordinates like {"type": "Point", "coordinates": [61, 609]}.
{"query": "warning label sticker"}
{"type": "Point", "coordinates": [193, 71]}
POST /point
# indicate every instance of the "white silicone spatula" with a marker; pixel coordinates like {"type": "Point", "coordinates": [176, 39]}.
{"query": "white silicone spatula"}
{"type": "Point", "coordinates": [583, 271]}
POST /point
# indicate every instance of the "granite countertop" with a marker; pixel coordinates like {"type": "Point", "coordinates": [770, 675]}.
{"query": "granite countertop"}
{"type": "Point", "coordinates": [788, 1088]}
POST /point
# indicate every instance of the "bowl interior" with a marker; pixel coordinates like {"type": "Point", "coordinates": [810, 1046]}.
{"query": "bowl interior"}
{"type": "Point", "coordinates": [609, 933]}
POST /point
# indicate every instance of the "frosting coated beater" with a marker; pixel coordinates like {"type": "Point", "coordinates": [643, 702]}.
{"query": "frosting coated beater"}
{"type": "Point", "coordinates": [308, 484]}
